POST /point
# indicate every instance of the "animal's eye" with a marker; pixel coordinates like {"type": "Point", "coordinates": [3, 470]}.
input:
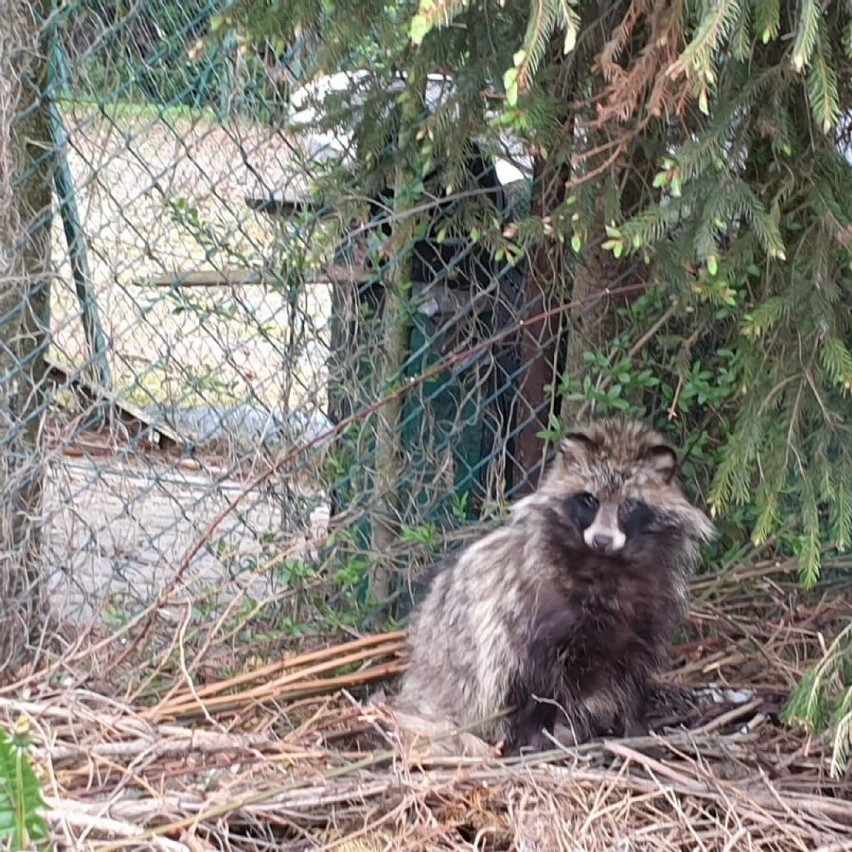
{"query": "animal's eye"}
{"type": "Point", "coordinates": [587, 501]}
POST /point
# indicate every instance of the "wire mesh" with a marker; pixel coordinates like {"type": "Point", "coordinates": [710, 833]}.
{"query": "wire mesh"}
{"type": "Point", "coordinates": [222, 422]}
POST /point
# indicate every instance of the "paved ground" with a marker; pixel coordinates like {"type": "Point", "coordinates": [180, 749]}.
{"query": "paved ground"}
{"type": "Point", "coordinates": [117, 532]}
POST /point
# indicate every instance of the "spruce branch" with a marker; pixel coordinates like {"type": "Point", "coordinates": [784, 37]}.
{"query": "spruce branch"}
{"type": "Point", "coordinates": [822, 82]}
{"type": "Point", "coordinates": [807, 33]}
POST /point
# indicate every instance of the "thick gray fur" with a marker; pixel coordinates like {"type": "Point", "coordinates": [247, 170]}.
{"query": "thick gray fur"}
{"type": "Point", "coordinates": [533, 618]}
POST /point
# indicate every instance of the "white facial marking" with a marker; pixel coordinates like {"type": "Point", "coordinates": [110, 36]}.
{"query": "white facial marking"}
{"type": "Point", "coordinates": [603, 533]}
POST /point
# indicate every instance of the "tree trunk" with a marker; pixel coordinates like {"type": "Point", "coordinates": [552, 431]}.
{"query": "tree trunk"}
{"type": "Point", "coordinates": [394, 349]}
{"type": "Point", "coordinates": [547, 285]}
{"type": "Point", "coordinates": [602, 285]}
{"type": "Point", "coordinates": [25, 218]}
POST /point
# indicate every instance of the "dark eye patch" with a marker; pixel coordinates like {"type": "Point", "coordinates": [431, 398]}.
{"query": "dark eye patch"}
{"type": "Point", "coordinates": [587, 501]}
{"type": "Point", "coordinates": [634, 517]}
{"type": "Point", "coordinates": [582, 509]}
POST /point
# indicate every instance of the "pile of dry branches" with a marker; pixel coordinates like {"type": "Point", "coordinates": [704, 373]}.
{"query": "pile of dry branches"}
{"type": "Point", "coordinates": [293, 755]}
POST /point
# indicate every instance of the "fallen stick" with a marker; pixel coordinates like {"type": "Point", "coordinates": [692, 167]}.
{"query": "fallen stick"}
{"type": "Point", "coordinates": [323, 661]}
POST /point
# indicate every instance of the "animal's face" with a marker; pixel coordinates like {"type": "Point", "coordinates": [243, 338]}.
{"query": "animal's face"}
{"type": "Point", "coordinates": [614, 484]}
{"type": "Point", "coordinates": [606, 523]}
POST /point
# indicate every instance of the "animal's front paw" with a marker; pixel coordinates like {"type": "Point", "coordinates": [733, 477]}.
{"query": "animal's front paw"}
{"type": "Point", "coordinates": [531, 744]}
{"type": "Point", "coordinates": [528, 741]}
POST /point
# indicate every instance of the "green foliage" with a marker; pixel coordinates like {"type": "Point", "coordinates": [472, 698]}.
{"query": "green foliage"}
{"type": "Point", "coordinates": [822, 82]}
{"type": "Point", "coordinates": [823, 698]}
{"type": "Point", "coordinates": [431, 14]}
{"type": "Point", "coordinates": [163, 52]}
{"type": "Point", "coordinates": [22, 823]}
{"type": "Point", "coordinates": [759, 203]}
{"type": "Point", "coordinates": [317, 596]}
{"type": "Point", "coordinates": [544, 19]}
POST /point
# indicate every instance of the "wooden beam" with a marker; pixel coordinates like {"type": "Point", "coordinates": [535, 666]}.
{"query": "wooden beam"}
{"type": "Point", "coordinates": [208, 278]}
{"type": "Point", "coordinates": [341, 273]}
{"type": "Point", "coordinates": [134, 418]}
{"type": "Point", "coordinates": [284, 208]}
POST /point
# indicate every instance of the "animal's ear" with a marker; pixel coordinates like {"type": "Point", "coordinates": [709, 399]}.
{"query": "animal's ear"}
{"type": "Point", "coordinates": [576, 446]}
{"type": "Point", "coordinates": [662, 460]}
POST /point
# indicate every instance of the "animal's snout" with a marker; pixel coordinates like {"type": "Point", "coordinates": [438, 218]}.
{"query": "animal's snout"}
{"type": "Point", "coordinates": [603, 534]}
{"type": "Point", "coordinates": [603, 542]}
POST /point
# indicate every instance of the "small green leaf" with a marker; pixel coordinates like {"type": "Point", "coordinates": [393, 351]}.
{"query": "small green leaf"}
{"type": "Point", "coordinates": [21, 803]}
{"type": "Point", "coordinates": [423, 22]}
{"type": "Point", "coordinates": [510, 83]}
{"type": "Point", "coordinates": [419, 29]}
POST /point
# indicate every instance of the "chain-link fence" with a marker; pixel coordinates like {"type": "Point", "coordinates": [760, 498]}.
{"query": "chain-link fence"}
{"type": "Point", "coordinates": [217, 387]}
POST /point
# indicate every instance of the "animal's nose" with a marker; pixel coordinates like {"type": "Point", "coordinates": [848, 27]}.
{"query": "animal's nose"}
{"type": "Point", "coordinates": [602, 542]}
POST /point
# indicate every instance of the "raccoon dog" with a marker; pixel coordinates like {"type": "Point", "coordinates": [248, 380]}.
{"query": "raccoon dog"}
{"type": "Point", "coordinates": [562, 614]}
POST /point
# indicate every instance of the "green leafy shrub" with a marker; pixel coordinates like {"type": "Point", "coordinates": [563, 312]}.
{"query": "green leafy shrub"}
{"type": "Point", "coordinates": [22, 822]}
